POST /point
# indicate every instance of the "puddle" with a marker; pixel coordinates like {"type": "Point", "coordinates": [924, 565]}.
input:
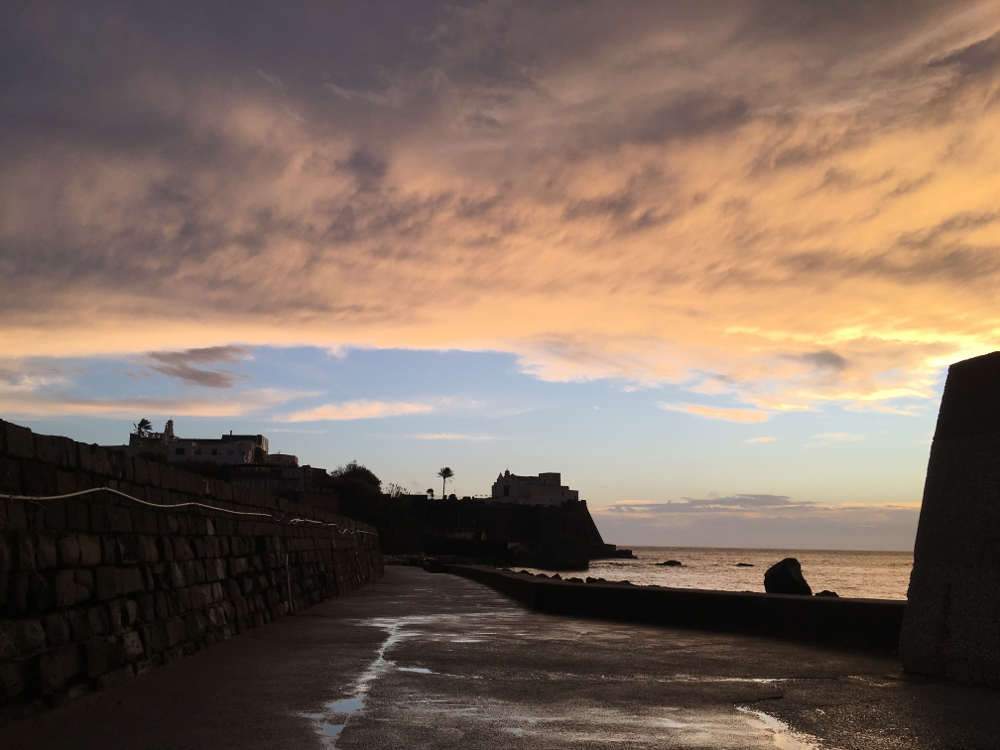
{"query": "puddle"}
{"type": "Point", "coordinates": [784, 738]}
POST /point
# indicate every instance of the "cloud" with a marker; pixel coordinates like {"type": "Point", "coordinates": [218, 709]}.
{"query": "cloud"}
{"type": "Point", "coordinates": [804, 202]}
{"type": "Point", "coordinates": [768, 524]}
{"type": "Point", "coordinates": [179, 364]}
{"type": "Point", "coordinates": [236, 404]}
{"type": "Point", "coordinates": [828, 438]}
{"type": "Point", "coordinates": [695, 505]}
{"type": "Point", "coordinates": [746, 416]}
{"type": "Point", "coordinates": [760, 440]}
{"type": "Point", "coordinates": [447, 436]}
{"type": "Point", "coordinates": [359, 409]}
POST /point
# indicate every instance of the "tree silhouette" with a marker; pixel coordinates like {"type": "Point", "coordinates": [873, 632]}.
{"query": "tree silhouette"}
{"type": "Point", "coordinates": [446, 473]}
{"type": "Point", "coordinates": [143, 427]}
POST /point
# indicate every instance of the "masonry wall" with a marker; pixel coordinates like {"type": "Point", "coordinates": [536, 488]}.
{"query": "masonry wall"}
{"type": "Point", "coordinates": [97, 589]}
{"type": "Point", "coordinates": [953, 611]}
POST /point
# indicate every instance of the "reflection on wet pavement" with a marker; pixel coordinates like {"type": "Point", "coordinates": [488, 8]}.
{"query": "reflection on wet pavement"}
{"type": "Point", "coordinates": [525, 700]}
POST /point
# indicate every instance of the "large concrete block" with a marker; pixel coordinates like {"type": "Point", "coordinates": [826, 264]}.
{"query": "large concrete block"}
{"type": "Point", "coordinates": [950, 630]}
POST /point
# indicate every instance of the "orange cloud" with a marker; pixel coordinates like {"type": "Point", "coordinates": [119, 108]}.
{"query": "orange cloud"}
{"type": "Point", "coordinates": [360, 409]}
{"type": "Point", "coordinates": [746, 416]}
{"type": "Point", "coordinates": [728, 220]}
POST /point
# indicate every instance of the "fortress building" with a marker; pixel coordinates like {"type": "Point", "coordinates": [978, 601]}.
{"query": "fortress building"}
{"type": "Point", "coordinates": [545, 489]}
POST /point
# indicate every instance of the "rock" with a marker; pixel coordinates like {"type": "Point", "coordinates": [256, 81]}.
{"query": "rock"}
{"type": "Point", "coordinates": [672, 564]}
{"type": "Point", "coordinates": [824, 592]}
{"type": "Point", "coordinates": [744, 565]}
{"type": "Point", "coordinates": [785, 577]}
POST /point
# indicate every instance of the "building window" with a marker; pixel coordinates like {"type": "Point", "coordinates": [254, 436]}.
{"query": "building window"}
{"type": "Point", "coordinates": [506, 490]}
{"type": "Point", "coordinates": [215, 452]}
{"type": "Point", "coordinates": [197, 451]}
{"type": "Point", "coordinates": [229, 452]}
{"type": "Point", "coordinates": [179, 452]}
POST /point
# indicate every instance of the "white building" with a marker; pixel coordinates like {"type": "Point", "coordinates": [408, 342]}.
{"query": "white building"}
{"type": "Point", "coordinates": [545, 489]}
{"type": "Point", "coordinates": [227, 449]}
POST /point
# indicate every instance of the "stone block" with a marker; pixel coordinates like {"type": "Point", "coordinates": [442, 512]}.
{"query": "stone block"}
{"type": "Point", "coordinates": [18, 441]}
{"type": "Point", "coordinates": [215, 569]}
{"type": "Point", "coordinates": [8, 552]}
{"type": "Point", "coordinates": [96, 656]}
{"type": "Point", "coordinates": [130, 580]}
{"type": "Point", "coordinates": [97, 618]}
{"type": "Point", "coordinates": [30, 636]}
{"type": "Point", "coordinates": [57, 629]}
{"type": "Point", "coordinates": [122, 615]}
{"type": "Point", "coordinates": [182, 549]}
{"type": "Point", "coordinates": [77, 515]}
{"type": "Point", "coordinates": [90, 550]}
{"type": "Point", "coordinates": [132, 647]}
{"type": "Point", "coordinates": [177, 577]}
{"type": "Point", "coordinates": [37, 479]}
{"type": "Point", "coordinates": [175, 631]}
{"type": "Point", "coordinates": [46, 555]}
{"type": "Point", "coordinates": [25, 551]}
{"type": "Point", "coordinates": [57, 667]}
{"type": "Point", "coordinates": [41, 596]}
{"type": "Point", "coordinates": [106, 583]}
{"type": "Point", "coordinates": [12, 680]}
{"type": "Point", "coordinates": [10, 476]}
{"type": "Point", "coordinates": [55, 510]}
{"type": "Point", "coordinates": [9, 648]}
{"type": "Point", "coordinates": [47, 449]}
{"type": "Point", "coordinates": [69, 551]}
{"type": "Point", "coordinates": [79, 625]}
{"type": "Point", "coordinates": [147, 608]}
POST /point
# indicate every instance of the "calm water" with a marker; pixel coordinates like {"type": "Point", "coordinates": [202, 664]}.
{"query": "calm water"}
{"type": "Point", "coordinates": [873, 575]}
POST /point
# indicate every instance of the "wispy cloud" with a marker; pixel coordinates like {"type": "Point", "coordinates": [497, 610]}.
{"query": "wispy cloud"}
{"type": "Point", "coordinates": [761, 440]}
{"type": "Point", "coordinates": [668, 190]}
{"type": "Point", "coordinates": [827, 438]}
{"type": "Point", "coordinates": [447, 436]}
{"type": "Point", "coordinates": [359, 409]}
{"type": "Point", "coordinates": [180, 364]}
{"type": "Point", "coordinates": [746, 416]}
{"type": "Point", "coordinates": [236, 404]}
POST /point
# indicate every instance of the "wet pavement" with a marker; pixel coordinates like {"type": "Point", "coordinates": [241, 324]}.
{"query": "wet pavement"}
{"type": "Point", "coordinates": [419, 660]}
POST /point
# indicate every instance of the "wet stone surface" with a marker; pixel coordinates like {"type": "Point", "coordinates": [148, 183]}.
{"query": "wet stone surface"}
{"type": "Point", "coordinates": [433, 661]}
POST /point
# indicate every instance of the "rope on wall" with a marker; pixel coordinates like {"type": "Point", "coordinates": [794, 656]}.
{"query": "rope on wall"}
{"type": "Point", "coordinates": [278, 518]}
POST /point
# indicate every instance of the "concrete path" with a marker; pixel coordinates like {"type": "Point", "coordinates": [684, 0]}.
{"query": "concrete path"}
{"type": "Point", "coordinates": [434, 661]}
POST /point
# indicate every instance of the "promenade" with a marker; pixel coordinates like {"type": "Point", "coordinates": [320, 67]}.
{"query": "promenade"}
{"type": "Point", "coordinates": [419, 660]}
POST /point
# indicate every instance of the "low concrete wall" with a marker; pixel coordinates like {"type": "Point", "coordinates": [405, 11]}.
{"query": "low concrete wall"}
{"type": "Point", "coordinates": [860, 624]}
{"type": "Point", "coordinates": [97, 589]}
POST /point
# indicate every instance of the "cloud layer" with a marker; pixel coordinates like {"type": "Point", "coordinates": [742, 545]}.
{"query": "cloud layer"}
{"type": "Point", "coordinates": [793, 204]}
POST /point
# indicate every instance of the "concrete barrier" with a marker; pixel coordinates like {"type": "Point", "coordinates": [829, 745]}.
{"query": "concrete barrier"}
{"type": "Point", "coordinates": [871, 625]}
{"type": "Point", "coordinates": [951, 625]}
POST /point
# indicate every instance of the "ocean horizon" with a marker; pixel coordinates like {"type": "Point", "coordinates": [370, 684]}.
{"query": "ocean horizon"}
{"type": "Point", "coordinates": [850, 573]}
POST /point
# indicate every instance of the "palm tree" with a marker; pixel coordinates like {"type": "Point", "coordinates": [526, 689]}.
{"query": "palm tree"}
{"type": "Point", "coordinates": [446, 473]}
{"type": "Point", "coordinates": [143, 427]}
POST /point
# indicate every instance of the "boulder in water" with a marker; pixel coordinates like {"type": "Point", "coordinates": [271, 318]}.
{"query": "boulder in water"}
{"type": "Point", "coordinates": [785, 577]}
{"type": "Point", "coordinates": [672, 564]}
{"type": "Point", "coordinates": [825, 592]}
{"type": "Point", "coordinates": [744, 565]}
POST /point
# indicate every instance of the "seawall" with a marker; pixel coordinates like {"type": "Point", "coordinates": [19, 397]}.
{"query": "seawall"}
{"type": "Point", "coordinates": [98, 588]}
{"type": "Point", "coordinates": [871, 625]}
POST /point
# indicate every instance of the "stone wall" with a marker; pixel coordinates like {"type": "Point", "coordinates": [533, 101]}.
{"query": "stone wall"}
{"type": "Point", "coordinates": [97, 589]}
{"type": "Point", "coordinates": [857, 624]}
{"type": "Point", "coordinates": [951, 625]}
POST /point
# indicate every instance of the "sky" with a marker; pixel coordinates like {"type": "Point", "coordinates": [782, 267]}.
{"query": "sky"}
{"type": "Point", "coordinates": [710, 261]}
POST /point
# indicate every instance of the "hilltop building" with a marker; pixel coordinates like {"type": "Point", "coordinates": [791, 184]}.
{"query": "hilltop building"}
{"type": "Point", "coordinates": [545, 489]}
{"type": "Point", "coordinates": [247, 457]}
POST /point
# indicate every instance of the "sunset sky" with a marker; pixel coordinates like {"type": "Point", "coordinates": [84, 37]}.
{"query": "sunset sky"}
{"type": "Point", "coordinates": [708, 260]}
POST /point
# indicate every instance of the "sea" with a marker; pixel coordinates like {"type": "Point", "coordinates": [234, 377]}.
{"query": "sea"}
{"type": "Point", "coordinates": [869, 575]}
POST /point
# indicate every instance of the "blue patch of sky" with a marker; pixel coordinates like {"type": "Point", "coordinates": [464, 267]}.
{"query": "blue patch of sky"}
{"type": "Point", "coordinates": [610, 442]}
